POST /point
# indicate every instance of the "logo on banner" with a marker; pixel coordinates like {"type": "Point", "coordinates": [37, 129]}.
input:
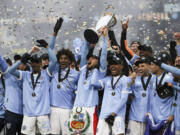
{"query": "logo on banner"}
{"type": "Point", "coordinates": [79, 121]}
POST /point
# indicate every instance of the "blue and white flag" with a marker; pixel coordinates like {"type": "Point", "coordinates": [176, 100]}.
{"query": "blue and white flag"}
{"type": "Point", "coordinates": [77, 44]}
{"type": "Point", "coordinates": [162, 128]}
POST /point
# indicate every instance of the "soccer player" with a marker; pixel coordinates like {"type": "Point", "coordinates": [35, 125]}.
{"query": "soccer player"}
{"type": "Point", "coordinates": [87, 96]}
{"type": "Point", "coordinates": [36, 84]}
{"type": "Point", "coordinates": [161, 101]}
{"type": "Point", "coordinates": [116, 89]}
{"type": "Point", "coordinates": [62, 92]}
{"type": "Point", "coordinates": [13, 100]}
{"type": "Point", "coordinates": [141, 91]}
{"type": "Point", "coordinates": [2, 91]}
{"type": "Point", "coordinates": [176, 103]}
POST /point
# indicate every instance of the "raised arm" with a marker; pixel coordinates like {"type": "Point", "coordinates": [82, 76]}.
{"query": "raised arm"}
{"type": "Point", "coordinates": [52, 42]}
{"type": "Point", "coordinates": [57, 27]}
{"type": "Point", "coordinates": [171, 69]}
{"type": "Point", "coordinates": [53, 60]}
{"type": "Point", "coordinates": [85, 50]}
{"type": "Point", "coordinates": [13, 69]}
{"type": "Point", "coordinates": [52, 56]}
{"type": "Point", "coordinates": [103, 57]}
{"type": "Point", "coordinates": [3, 65]}
{"type": "Point", "coordinates": [124, 46]}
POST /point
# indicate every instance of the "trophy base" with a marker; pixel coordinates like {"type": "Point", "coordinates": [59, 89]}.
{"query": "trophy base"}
{"type": "Point", "coordinates": [91, 36]}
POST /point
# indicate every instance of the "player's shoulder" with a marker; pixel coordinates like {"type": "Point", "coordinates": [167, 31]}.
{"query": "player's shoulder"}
{"type": "Point", "coordinates": [74, 72]}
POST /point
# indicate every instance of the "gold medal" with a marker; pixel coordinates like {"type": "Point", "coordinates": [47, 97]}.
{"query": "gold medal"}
{"type": "Point", "coordinates": [85, 82]}
{"type": "Point", "coordinates": [174, 104]}
{"type": "Point", "coordinates": [58, 86]}
{"type": "Point", "coordinates": [113, 93]}
{"type": "Point", "coordinates": [33, 94]}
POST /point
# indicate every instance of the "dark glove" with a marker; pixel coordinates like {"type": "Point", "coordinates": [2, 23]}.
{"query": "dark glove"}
{"type": "Point", "coordinates": [58, 25]}
{"type": "Point", "coordinates": [42, 43]}
{"type": "Point", "coordinates": [110, 120]}
{"type": "Point", "coordinates": [25, 58]}
{"type": "Point", "coordinates": [165, 91]}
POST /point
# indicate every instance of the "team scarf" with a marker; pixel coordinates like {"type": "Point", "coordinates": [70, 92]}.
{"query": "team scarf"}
{"type": "Point", "coordinates": [162, 128]}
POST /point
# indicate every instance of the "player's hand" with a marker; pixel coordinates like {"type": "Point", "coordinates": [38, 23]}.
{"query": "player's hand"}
{"type": "Point", "coordinates": [125, 25]}
{"type": "Point", "coordinates": [104, 31]}
{"type": "Point", "coordinates": [58, 25]}
{"type": "Point", "coordinates": [34, 49]}
{"type": "Point", "coordinates": [110, 120]}
{"type": "Point", "coordinates": [170, 119]}
{"type": "Point", "coordinates": [42, 43]}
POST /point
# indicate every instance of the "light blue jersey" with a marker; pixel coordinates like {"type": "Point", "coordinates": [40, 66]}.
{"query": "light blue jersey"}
{"type": "Point", "coordinates": [87, 95]}
{"type": "Point", "coordinates": [114, 101]}
{"type": "Point", "coordinates": [1, 100]}
{"type": "Point", "coordinates": [176, 106]}
{"type": "Point", "coordinates": [140, 104]}
{"type": "Point", "coordinates": [160, 108]}
{"type": "Point", "coordinates": [63, 94]}
{"type": "Point", "coordinates": [3, 68]}
{"type": "Point", "coordinates": [13, 93]}
{"type": "Point", "coordinates": [178, 50]}
{"type": "Point", "coordinates": [36, 102]}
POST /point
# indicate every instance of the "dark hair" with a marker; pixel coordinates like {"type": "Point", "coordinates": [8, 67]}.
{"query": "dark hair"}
{"type": "Point", "coordinates": [66, 52]}
{"type": "Point", "coordinates": [135, 42]}
{"type": "Point", "coordinates": [8, 60]}
{"type": "Point", "coordinates": [17, 57]}
{"type": "Point", "coordinates": [166, 58]}
{"type": "Point", "coordinates": [44, 56]}
{"type": "Point", "coordinates": [35, 59]}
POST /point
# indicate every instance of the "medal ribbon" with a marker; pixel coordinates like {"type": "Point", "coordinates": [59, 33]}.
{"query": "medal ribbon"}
{"type": "Point", "coordinates": [148, 80]}
{"type": "Point", "coordinates": [2, 80]}
{"type": "Point", "coordinates": [114, 85]}
{"type": "Point", "coordinates": [162, 77]}
{"type": "Point", "coordinates": [87, 73]}
{"type": "Point", "coordinates": [32, 80]}
{"type": "Point", "coordinates": [59, 75]}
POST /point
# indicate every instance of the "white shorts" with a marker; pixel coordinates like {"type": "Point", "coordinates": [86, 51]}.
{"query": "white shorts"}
{"type": "Point", "coordinates": [59, 118]}
{"type": "Point", "coordinates": [177, 132]}
{"type": "Point", "coordinates": [136, 128]}
{"type": "Point", "coordinates": [117, 128]}
{"type": "Point", "coordinates": [29, 125]}
{"type": "Point", "coordinates": [93, 119]}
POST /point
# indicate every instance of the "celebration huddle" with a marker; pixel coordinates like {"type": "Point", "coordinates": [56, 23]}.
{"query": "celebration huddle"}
{"type": "Point", "coordinates": [122, 89]}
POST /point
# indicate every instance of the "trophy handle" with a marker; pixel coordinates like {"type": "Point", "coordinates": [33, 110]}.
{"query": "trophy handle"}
{"type": "Point", "coordinates": [112, 22]}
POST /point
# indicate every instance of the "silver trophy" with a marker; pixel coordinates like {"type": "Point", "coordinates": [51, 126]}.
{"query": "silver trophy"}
{"type": "Point", "coordinates": [92, 34]}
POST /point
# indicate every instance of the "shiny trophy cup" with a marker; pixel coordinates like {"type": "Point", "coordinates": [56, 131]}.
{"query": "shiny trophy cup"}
{"type": "Point", "coordinates": [92, 34]}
